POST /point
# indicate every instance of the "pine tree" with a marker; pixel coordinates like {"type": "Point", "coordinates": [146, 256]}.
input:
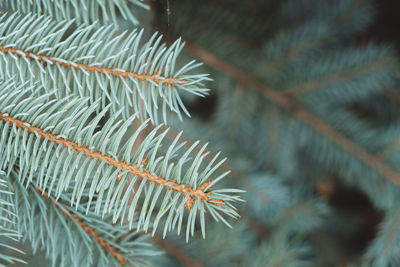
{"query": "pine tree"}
{"type": "Point", "coordinates": [97, 163]}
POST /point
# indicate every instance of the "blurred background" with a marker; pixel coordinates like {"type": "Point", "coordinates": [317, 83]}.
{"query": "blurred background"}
{"type": "Point", "coordinates": [306, 98]}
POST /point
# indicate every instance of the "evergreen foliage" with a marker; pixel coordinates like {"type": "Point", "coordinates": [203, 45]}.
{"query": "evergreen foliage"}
{"type": "Point", "coordinates": [88, 239]}
{"type": "Point", "coordinates": [117, 68]}
{"type": "Point", "coordinates": [81, 187]}
{"type": "Point", "coordinates": [55, 143]}
{"type": "Point", "coordinates": [303, 112]}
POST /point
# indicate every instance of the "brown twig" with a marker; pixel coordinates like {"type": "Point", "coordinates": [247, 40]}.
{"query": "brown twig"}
{"type": "Point", "coordinates": [131, 168]}
{"type": "Point", "coordinates": [80, 66]}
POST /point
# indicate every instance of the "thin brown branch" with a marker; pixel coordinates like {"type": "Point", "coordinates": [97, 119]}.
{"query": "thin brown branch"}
{"type": "Point", "coordinates": [174, 252]}
{"type": "Point", "coordinates": [44, 59]}
{"type": "Point", "coordinates": [298, 111]}
{"type": "Point", "coordinates": [131, 168]}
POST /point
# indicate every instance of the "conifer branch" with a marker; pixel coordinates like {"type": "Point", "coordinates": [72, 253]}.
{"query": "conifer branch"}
{"type": "Point", "coordinates": [121, 165]}
{"type": "Point", "coordinates": [99, 63]}
{"type": "Point", "coordinates": [90, 231]}
{"type": "Point", "coordinates": [298, 111]}
{"type": "Point", "coordinates": [56, 144]}
{"type": "Point", "coordinates": [80, 66]}
{"type": "Point", "coordinates": [91, 239]}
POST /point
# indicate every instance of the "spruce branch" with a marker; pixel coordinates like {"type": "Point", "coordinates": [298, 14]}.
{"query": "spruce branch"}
{"type": "Point", "coordinates": [132, 169]}
{"type": "Point", "coordinates": [86, 239]}
{"type": "Point", "coordinates": [299, 112]}
{"type": "Point", "coordinates": [79, 66]}
{"type": "Point", "coordinates": [56, 144]}
{"type": "Point", "coordinates": [99, 64]}
{"type": "Point", "coordinates": [90, 231]}
{"type": "Point", "coordinates": [83, 11]}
